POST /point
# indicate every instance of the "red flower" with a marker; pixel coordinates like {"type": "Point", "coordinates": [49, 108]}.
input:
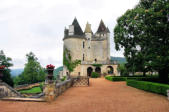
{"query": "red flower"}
{"type": "Point", "coordinates": [50, 66]}
{"type": "Point", "coordinates": [2, 67]}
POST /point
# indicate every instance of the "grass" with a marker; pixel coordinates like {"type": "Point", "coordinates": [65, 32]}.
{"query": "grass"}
{"type": "Point", "coordinates": [33, 90]}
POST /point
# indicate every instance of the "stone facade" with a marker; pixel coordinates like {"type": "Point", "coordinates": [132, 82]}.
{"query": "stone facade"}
{"type": "Point", "coordinates": [90, 49]}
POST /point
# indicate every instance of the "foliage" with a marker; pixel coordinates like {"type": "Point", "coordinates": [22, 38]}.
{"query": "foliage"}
{"type": "Point", "coordinates": [122, 78]}
{"type": "Point", "coordinates": [123, 70]}
{"type": "Point", "coordinates": [6, 61]}
{"type": "Point", "coordinates": [64, 78]}
{"type": "Point", "coordinates": [143, 33]}
{"type": "Point", "coordinates": [95, 75]}
{"type": "Point", "coordinates": [116, 78]}
{"type": "Point", "coordinates": [97, 65]}
{"type": "Point", "coordinates": [149, 86]}
{"type": "Point", "coordinates": [34, 90]}
{"type": "Point", "coordinates": [33, 72]}
{"type": "Point", "coordinates": [67, 61]}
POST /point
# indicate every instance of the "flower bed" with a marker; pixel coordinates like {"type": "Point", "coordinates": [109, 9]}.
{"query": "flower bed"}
{"type": "Point", "coordinates": [149, 86]}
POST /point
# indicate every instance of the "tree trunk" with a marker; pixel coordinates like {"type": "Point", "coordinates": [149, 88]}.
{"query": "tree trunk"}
{"type": "Point", "coordinates": [163, 75]}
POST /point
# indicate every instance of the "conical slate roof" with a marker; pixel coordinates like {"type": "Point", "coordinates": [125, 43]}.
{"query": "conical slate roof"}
{"type": "Point", "coordinates": [88, 28]}
{"type": "Point", "coordinates": [108, 31]}
{"type": "Point", "coordinates": [102, 27]}
{"type": "Point", "coordinates": [77, 28]}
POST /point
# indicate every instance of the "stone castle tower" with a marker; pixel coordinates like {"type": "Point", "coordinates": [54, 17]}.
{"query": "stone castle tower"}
{"type": "Point", "coordinates": [91, 49]}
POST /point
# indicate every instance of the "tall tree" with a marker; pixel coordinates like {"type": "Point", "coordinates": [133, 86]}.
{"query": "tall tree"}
{"type": "Point", "coordinates": [7, 62]}
{"type": "Point", "coordinates": [33, 72]}
{"type": "Point", "coordinates": [143, 32]}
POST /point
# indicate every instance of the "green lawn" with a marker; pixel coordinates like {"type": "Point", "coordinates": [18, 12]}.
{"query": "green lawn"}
{"type": "Point", "coordinates": [32, 90]}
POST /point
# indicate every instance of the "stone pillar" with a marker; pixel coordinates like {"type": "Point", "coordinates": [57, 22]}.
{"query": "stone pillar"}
{"type": "Point", "coordinates": [50, 92]}
{"type": "Point", "coordinates": [49, 88]}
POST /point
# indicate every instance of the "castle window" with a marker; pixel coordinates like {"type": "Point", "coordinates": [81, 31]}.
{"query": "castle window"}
{"type": "Point", "coordinates": [79, 73]}
{"type": "Point", "coordinates": [83, 57]}
{"type": "Point", "coordinates": [95, 60]}
{"type": "Point", "coordinates": [88, 38]}
{"type": "Point", "coordinates": [83, 44]}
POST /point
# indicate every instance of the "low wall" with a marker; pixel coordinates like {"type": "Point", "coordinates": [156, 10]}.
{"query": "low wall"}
{"type": "Point", "coordinates": [26, 86]}
{"type": "Point", "coordinates": [63, 86]}
{"type": "Point", "coordinates": [7, 91]}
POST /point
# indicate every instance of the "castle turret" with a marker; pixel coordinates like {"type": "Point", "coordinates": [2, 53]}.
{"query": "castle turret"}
{"type": "Point", "coordinates": [75, 28]}
{"type": "Point", "coordinates": [102, 28]}
{"type": "Point", "coordinates": [108, 43]}
{"type": "Point", "coordinates": [88, 31]}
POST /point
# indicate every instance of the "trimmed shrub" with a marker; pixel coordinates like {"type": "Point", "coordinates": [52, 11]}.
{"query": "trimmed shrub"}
{"type": "Point", "coordinates": [118, 78]}
{"type": "Point", "coordinates": [114, 78]}
{"type": "Point", "coordinates": [108, 78]}
{"type": "Point", "coordinates": [95, 75]}
{"type": "Point", "coordinates": [149, 86]}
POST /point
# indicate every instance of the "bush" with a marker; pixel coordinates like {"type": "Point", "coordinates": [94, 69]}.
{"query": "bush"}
{"type": "Point", "coordinates": [64, 78]}
{"type": "Point", "coordinates": [114, 78]}
{"type": "Point", "coordinates": [149, 86]}
{"type": "Point", "coordinates": [95, 75]}
{"type": "Point", "coordinates": [122, 78]}
{"type": "Point", "coordinates": [109, 78]}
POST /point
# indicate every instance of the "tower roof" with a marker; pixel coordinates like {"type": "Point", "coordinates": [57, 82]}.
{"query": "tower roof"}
{"type": "Point", "coordinates": [88, 28]}
{"type": "Point", "coordinates": [102, 27]}
{"type": "Point", "coordinates": [77, 28]}
{"type": "Point", "coordinates": [107, 29]}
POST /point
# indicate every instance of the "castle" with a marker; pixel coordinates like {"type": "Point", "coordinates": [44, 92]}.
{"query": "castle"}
{"type": "Point", "coordinates": [92, 49]}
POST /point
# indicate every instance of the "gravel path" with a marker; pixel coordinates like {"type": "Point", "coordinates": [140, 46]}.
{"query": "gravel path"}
{"type": "Point", "coordinates": [101, 96]}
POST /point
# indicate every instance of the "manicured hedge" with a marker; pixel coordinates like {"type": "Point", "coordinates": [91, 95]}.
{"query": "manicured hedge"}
{"type": "Point", "coordinates": [120, 78]}
{"type": "Point", "coordinates": [95, 75]}
{"type": "Point", "coordinates": [111, 78]}
{"type": "Point", "coordinates": [149, 86]}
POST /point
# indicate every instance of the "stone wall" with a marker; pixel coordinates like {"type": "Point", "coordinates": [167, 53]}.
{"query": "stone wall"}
{"type": "Point", "coordinates": [26, 86]}
{"type": "Point", "coordinates": [7, 91]}
{"type": "Point", "coordinates": [53, 90]}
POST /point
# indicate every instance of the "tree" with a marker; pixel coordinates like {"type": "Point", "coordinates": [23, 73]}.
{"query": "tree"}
{"type": "Point", "coordinates": [143, 32]}
{"type": "Point", "coordinates": [67, 61]}
{"type": "Point", "coordinates": [7, 62]}
{"type": "Point", "coordinates": [123, 70]}
{"type": "Point", "coordinates": [33, 72]}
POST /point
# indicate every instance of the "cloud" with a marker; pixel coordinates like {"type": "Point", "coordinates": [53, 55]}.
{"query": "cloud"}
{"type": "Point", "coordinates": [38, 25]}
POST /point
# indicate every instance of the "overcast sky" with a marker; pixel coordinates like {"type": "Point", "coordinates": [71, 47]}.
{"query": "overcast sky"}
{"type": "Point", "coordinates": [38, 25]}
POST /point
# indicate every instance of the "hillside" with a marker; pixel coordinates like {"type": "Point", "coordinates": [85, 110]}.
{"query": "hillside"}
{"type": "Point", "coordinates": [120, 60]}
{"type": "Point", "coordinates": [16, 72]}
{"type": "Point", "coordinates": [56, 72]}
